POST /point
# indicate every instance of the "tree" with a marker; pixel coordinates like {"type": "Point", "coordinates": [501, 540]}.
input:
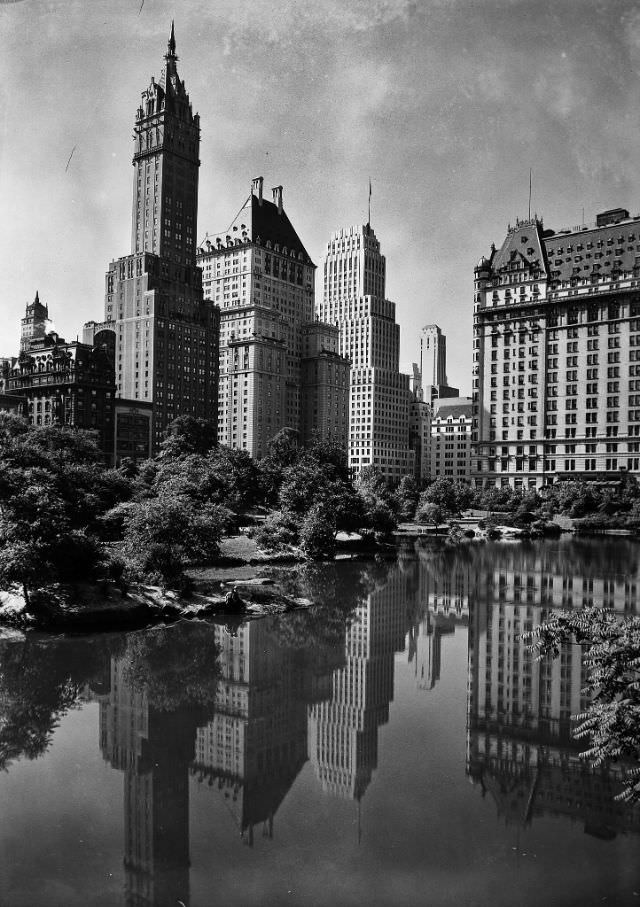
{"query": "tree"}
{"type": "Point", "coordinates": [612, 655]}
{"type": "Point", "coordinates": [379, 504]}
{"type": "Point", "coordinates": [318, 531]}
{"type": "Point", "coordinates": [407, 496]}
{"type": "Point", "coordinates": [53, 493]}
{"type": "Point", "coordinates": [282, 452]}
{"type": "Point", "coordinates": [431, 513]}
{"type": "Point", "coordinates": [189, 435]}
{"type": "Point", "coordinates": [279, 532]}
{"type": "Point", "coordinates": [161, 537]}
{"type": "Point", "coordinates": [448, 495]}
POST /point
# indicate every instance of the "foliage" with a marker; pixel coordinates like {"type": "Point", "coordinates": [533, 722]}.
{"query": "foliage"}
{"type": "Point", "coordinates": [449, 497]}
{"type": "Point", "coordinates": [162, 536]}
{"type": "Point", "coordinates": [318, 531]}
{"type": "Point", "coordinates": [431, 512]}
{"type": "Point", "coordinates": [279, 531]}
{"type": "Point", "coordinates": [407, 497]}
{"type": "Point", "coordinates": [189, 435]}
{"type": "Point", "coordinates": [282, 452]}
{"type": "Point", "coordinates": [612, 656]}
{"type": "Point", "coordinates": [379, 504]}
{"type": "Point", "coordinates": [53, 493]}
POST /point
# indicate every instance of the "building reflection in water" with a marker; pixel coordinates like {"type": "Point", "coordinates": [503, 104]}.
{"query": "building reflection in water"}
{"type": "Point", "coordinates": [278, 702]}
{"type": "Point", "coordinates": [343, 730]}
{"type": "Point", "coordinates": [519, 744]}
{"type": "Point", "coordinates": [154, 749]}
{"type": "Point", "coordinates": [254, 746]}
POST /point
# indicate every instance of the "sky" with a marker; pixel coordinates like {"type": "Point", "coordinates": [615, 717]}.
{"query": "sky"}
{"type": "Point", "coordinates": [443, 104]}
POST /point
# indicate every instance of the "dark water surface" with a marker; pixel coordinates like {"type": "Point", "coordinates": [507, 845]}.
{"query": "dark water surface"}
{"type": "Point", "coordinates": [393, 745]}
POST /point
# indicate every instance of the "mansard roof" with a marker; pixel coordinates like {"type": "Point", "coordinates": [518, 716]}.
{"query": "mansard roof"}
{"type": "Point", "coordinates": [601, 250]}
{"type": "Point", "coordinates": [523, 248]}
{"type": "Point", "coordinates": [263, 222]}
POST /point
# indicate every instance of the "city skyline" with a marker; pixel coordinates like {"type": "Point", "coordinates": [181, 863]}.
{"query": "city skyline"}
{"type": "Point", "coordinates": [320, 97]}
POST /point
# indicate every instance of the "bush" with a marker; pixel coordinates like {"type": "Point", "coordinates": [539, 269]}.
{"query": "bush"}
{"type": "Point", "coordinates": [279, 532]}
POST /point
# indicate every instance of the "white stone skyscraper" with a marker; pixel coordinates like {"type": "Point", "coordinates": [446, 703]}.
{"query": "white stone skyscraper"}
{"type": "Point", "coordinates": [354, 300]}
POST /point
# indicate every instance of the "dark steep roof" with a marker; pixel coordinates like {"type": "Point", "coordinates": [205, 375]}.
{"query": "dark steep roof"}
{"type": "Point", "coordinates": [600, 250]}
{"type": "Point", "coordinates": [261, 222]}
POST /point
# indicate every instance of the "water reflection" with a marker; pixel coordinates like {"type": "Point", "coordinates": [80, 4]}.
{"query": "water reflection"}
{"type": "Point", "coordinates": [231, 715]}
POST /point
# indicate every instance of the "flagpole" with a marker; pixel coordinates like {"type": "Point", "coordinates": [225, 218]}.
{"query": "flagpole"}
{"type": "Point", "coordinates": [369, 215]}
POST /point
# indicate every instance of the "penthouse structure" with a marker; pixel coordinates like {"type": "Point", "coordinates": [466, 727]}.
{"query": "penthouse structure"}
{"type": "Point", "coordinates": [166, 334]}
{"type": "Point", "coordinates": [379, 400]}
{"type": "Point", "coordinates": [279, 368]}
{"type": "Point", "coordinates": [556, 372]}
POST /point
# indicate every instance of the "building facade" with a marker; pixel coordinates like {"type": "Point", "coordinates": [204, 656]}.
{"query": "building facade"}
{"type": "Point", "coordinates": [354, 300]}
{"type": "Point", "coordinates": [166, 334]}
{"type": "Point", "coordinates": [556, 373]}
{"type": "Point", "coordinates": [450, 449]}
{"type": "Point", "coordinates": [278, 367]}
{"type": "Point", "coordinates": [62, 383]}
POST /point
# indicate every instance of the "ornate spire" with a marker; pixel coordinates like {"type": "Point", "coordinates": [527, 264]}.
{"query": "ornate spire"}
{"type": "Point", "coordinates": [171, 46]}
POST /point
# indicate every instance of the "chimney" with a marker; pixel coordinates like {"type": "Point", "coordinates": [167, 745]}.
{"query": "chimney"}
{"type": "Point", "coordinates": [256, 184]}
{"type": "Point", "coordinates": [277, 197]}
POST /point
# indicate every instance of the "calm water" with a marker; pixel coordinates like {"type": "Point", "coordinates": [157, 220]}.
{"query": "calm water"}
{"type": "Point", "coordinates": [393, 745]}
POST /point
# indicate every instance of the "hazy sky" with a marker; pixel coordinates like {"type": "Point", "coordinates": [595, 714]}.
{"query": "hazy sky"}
{"type": "Point", "coordinates": [444, 103]}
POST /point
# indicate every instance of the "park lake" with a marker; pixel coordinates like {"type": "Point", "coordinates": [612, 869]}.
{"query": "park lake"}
{"type": "Point", "coordinates": [395, 743]}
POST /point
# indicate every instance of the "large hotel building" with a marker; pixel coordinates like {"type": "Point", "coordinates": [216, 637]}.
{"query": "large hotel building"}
{"type": "Point", "coordinates": [279, 367]}
{"type": "Point", "coordinates": [556, 373]}
{"type": "Point", "coordinates": [166, 333]}
{"type": "Point", "coordinates": [354, 300]}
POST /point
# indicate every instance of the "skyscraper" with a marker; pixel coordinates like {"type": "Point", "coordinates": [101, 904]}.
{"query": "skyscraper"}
{"type": "Point", "coordinates": [166, 334]}
{"type": "Point", "coordinates": [278, 367]}
{"type": "Point", "coordinates": [354, 300]}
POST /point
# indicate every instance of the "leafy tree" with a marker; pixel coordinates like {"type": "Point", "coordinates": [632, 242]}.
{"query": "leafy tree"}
{"type": "Point", "coordinates": [161, 537]}
{"type": "Point", "coordinates": [318, 531]}
{"type": "Point", "coordinates": [282, 452]}
{"type": "Point", "coordinates": [189, 435]}
{"type": "Point", "coordinates": [612, 655]}
{"type": "Point", "coordinates": [407, 496]}
{"type": "Point", "coordinates": [451, 497]}
{"type": "Point", "coordinates": [279, 532]}
{"type": "Point", "coordinates": [431, 512]}
{"type": "Point", "coordinates": [53, 493]}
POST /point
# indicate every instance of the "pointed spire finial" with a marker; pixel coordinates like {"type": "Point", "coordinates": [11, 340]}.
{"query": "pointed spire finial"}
{"type": "Point", "coordinates": [37, 299]}
{"type": "Point", "coordinates": [171, 47]}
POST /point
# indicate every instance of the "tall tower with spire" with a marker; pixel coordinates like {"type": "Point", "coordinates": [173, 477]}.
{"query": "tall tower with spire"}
{"type": "Point", "coordinates": [166, 333]}
{"type": "Point", "coordinates": [166, 163]}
